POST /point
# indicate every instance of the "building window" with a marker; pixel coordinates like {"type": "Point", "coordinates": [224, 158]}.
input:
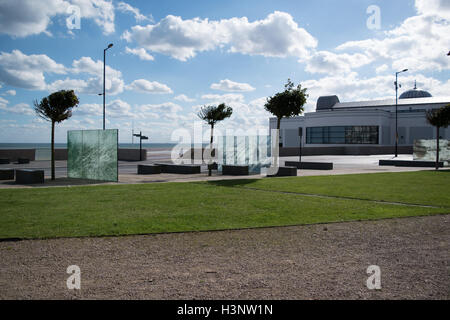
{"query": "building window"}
{"type": "Point", "coordinates": [342, 135]}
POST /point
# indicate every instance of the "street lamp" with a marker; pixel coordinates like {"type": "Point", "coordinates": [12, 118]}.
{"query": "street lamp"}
{"type": "Point", "coordinates": [396, 110]}
{"type": "Point", "coordinates": [141, 137]}
{"type": "Point", "coordinates": [104, 72]}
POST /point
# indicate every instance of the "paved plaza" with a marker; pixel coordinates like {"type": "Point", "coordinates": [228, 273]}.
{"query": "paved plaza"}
{"type": "Point", "coordinates": [128, 170]}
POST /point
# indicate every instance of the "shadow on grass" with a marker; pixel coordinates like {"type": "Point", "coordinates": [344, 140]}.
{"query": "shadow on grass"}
{"type": "Point", "coordinates": [231, 183]}
{"type": "Point", "coordinates": [58, 182]}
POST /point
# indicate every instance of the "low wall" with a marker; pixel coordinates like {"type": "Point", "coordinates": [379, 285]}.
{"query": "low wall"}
{"type": "Point", "coordinates": [131, 155]}
{"type": "Point", "coordinates": [14, 154]}
{"type": "Point", "coordinates": [61, 154]}
{"type": "Point", "coordinates": [345, 150]}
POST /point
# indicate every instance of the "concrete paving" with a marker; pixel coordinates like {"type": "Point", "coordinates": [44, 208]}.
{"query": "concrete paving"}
{"type": "Point", "coordinates": [128, 170]}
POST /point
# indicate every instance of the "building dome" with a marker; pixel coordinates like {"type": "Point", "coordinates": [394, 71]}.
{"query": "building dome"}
{"type": "Point", "coordinates": [414, 93]}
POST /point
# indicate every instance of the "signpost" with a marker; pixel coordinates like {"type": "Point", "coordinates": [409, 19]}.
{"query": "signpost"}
{"type": "Point", "coordinates": [141, 137]}
{"type": "Point", "coordinates": [300, 134]}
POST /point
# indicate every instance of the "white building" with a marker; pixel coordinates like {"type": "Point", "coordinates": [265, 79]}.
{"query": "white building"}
{"type": "Point", "coordinates": [366, 127]}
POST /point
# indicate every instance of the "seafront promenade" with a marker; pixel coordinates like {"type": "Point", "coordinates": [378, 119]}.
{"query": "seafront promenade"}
{"type": "Point", "coordinates": [128, 169]}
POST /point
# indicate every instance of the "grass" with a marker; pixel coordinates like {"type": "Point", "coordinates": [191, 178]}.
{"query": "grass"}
{"type": "Point", "coordinates": [175, 207]}
{"type": "Point", "coordinates": [417, 187]}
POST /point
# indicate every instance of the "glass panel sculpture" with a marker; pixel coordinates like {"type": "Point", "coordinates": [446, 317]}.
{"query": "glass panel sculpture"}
{"type": "Point", "coordinates": [92, 154]}
{"type": "Point", "coordinates": [254, 151]}
{"type": "Point", "coordinates": [425, 150]}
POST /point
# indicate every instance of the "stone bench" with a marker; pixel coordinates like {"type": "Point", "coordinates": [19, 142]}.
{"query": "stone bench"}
{"type": "Point", "coordinates": [213, 166]}
{"type": "Point", "coordinates": [310, 165]}
{"type": "Point", "coordinates": [4, 161]}
{"type": "Point", "coordinates": [6, 174]}
{"type": "Point", "coordinates": [179, 168]}
{"type": "Point", "coordinates": [409, 163]}
{"type": "Point", "coordinates": [285, 172]}
{"type": "Point", "coordinates": [23, 160]}
{"type": "Point", "coordinates": [29, 176]}
{"type": "Point", "coordinates": [234, 170]}
{"type": "Point", "coordinates": [148, 169]}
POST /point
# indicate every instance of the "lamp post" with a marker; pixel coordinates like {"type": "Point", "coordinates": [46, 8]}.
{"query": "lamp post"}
{"type": "Point", "coordinates": [396, 110]}
{"type": "Point", "coordinates": [141, 137]}
{"type": "Point", "coordinates": [104, 73]}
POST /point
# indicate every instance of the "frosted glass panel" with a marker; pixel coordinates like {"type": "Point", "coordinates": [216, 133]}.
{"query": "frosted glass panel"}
{"type": "Point", "coordinates": [254, 151]}
{"type": "Point", "coordinates": [92, 154]}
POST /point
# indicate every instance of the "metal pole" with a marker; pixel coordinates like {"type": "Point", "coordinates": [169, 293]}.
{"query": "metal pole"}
{"type": "Point", "coordinates": [140, 146]}
{"type": "Point", "coordinates": [104, 73]}
{"type": "Point", "coordinates": [396, 114]}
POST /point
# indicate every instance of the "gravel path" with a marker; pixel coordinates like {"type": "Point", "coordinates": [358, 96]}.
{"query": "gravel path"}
{"type": "Point", "coordinates": [327, 261]}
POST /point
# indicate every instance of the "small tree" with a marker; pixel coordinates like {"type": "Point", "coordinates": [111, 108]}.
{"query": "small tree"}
{"type": "Point", "coordinates": [212, 115]}
{"type": "Point", "coordinates": [56, 108]}
{"type": "Point", "coordinates": [438, 118]}
{"type": "Point", "coordinates": [287, 104]}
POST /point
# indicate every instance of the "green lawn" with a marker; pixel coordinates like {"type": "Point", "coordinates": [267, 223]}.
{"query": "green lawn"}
{"type": "Point", "coordinates": [419, 187]}
{"type": "Point", "coordinates": [174, 207]}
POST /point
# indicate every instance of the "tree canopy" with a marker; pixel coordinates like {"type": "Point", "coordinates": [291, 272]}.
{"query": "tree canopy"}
{"type": "Point", "coordinates": [57, 106]}
{"type": "Point", "coordinates": [288, 103]}
{"type": "Point", "coordinates": [214, 114]}
{"type": "Point", "coordinates": [439, 117]}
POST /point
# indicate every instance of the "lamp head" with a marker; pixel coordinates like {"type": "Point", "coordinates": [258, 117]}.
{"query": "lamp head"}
{"type": "Point", "coordinates": [110, 45]}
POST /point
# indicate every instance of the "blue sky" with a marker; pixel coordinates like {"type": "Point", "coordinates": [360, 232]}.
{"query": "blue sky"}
{"type": "Point", "coordinates": [171, 57]}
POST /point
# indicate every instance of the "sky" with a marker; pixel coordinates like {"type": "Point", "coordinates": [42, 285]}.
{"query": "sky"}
{"type": "Point", "coordinates": [170, 58]}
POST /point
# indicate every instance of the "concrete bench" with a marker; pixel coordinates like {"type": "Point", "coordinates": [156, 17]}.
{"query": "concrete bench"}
{"type": "Point", "coordinates": [179, 168]}
{"type": "Point", "coordinates": [23, 160]}
{"type": "Point", "coordinates": [234, 170]}
{"type": "Point", "coordinates": [4, 161]}
{"type": "Point", "coordinates": [408, 163]}
{"type": "Point", "coordinates": [310, 165]}
{"type": "Point", "coordinates": [6, 174]}
{"type": "Point", "coordinates": [29, 176]}
{"type": "Point", "coordinates": [285, 172]}
{"type": "Point", "coordinates": [148, 169]}
{"type": "Point", "coordinates": [213, 166]}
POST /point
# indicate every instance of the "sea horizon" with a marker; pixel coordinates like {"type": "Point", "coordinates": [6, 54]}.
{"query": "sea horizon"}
{"type": "Point", "coordinates": [47, 145]}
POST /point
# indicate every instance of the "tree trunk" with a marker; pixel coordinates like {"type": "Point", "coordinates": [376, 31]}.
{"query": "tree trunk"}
{"type": "Point", "coordinates": [53, 150]}
{"type": "Point", "coordinates": [211, 149]}
{"type": "Point", "coordinates": [437, 148]}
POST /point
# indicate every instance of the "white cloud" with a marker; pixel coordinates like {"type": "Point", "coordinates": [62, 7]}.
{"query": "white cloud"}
{"type": "Point", "coordinates": [21, 108]}
{"type": "Point", "coordinates": [114, 109]}
{"type": "Point", "coordinates": [125, 7]}
{"type": "Point", "coordinates": [10, 93]}
{"type": "Point", "coordinates": [167, 111]}
{"type": "Point", "coordinates": [113, 86]}
{"type": "Point", "coordinates": [21, 18]}
{"type": "Point", "coordinates": [331, 63]}
{"type": "Point", "coordinates": [114, 83]}
{"type": "Point", "coordinates": [184, 98]}
{"type": "Point", "coordinates": [382, 68]}
{"type": "Point", "coordinates": [420, 43]}
{"type": "Point", "coordinates": [27, 71]}
{"type": "Point", "coordinates": [224, 98]}
{"type": "Point", "coordinates": [141, 53]}
{"type": "Point", "coordinates": [101, 11]}
{"type": "Point", "coordinates": [87, 65]}
{"type": "Point", "coordinates": [231, 86]}
{"type": "Point", "coordinates": [276, 36]}
{"type": "Point", "coordinates": [145, 86]}
{"type": "Point", "coordinates": [434, 7]}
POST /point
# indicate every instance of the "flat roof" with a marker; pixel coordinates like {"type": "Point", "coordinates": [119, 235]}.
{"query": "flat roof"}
{"type": "Point", "coordinates": [391, 102]}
